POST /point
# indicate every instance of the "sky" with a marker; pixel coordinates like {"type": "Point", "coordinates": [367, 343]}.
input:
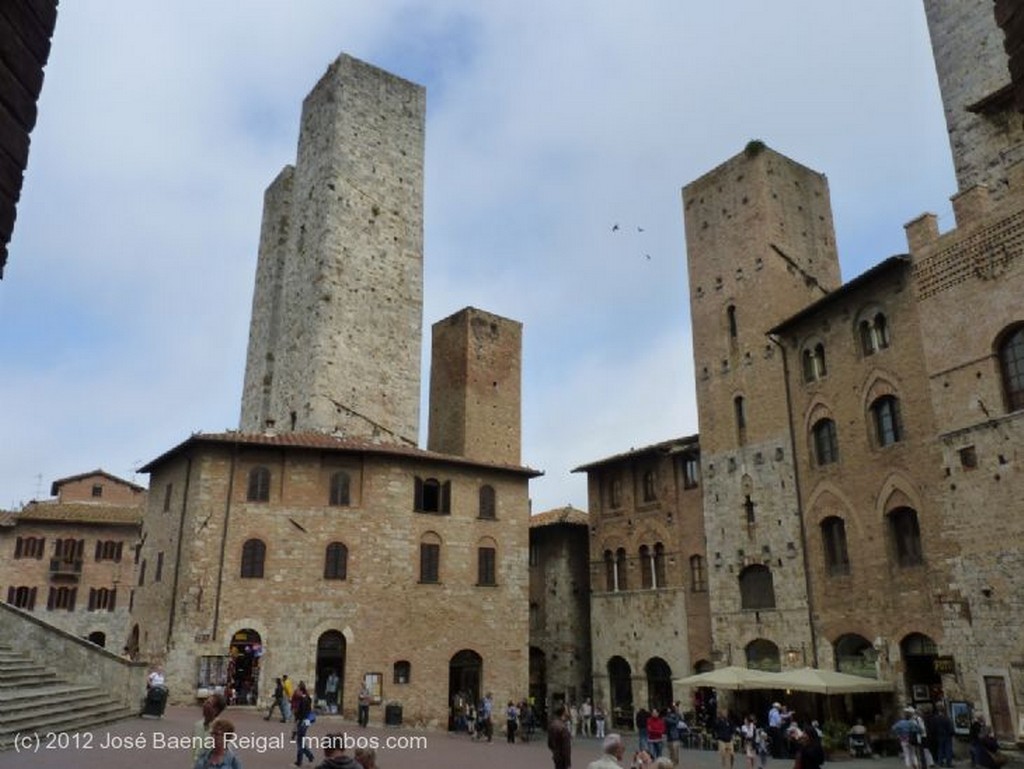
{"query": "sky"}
{"type": "Point", "coordinates": [124, 308]}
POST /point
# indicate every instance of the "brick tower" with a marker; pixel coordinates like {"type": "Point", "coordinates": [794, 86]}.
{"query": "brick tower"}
{"type": "Point", "coordinates": [760, 247]}
{"type": "Point", "coordinates": [475, 387]}
{"type": "Point", "coordinates": [335, 335]}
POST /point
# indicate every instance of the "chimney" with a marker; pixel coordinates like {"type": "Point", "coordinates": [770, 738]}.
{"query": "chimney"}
{"type": "Point", "coordinates": [922, 232]}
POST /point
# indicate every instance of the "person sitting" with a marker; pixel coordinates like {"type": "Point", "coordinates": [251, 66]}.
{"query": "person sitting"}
{"type": "Point", "coordinates": [857, 741]}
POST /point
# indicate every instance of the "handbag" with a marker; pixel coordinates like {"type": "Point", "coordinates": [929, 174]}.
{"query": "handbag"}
{"type": "Point", "coordinates": [312, 716]}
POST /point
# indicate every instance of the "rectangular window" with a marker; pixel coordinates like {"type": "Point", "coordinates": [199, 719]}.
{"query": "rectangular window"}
{"type": "Point", "coordinates": [97, 490]}
{"type": "Point", "coordinates": [486, 566]}
{"type": "Point", "coordinates": [691, 472]}
{"type": "Point", "coordinates": [968, 458]}
{"type": "Point", "coordinates": [430, 562]}
{"type": "Point", "coordinates": [168, 489]}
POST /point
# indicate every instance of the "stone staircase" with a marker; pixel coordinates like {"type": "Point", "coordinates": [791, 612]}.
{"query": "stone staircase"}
{"type": "Point", "coordinates": [34, 699]}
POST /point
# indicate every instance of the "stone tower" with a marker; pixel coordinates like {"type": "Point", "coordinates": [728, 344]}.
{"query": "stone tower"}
{"type": "Point", "coordinates": [335, 335]}
{"type": "Point", "coordinates": [760, 247]}
{"type": "Point", "coordinates": [986, 133]}
{"type": "Point", "coordinates": [475, 387]}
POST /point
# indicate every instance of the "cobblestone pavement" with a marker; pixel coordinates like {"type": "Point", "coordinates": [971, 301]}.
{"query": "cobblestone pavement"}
{"type": "Point", "coordinates": [151, 744]}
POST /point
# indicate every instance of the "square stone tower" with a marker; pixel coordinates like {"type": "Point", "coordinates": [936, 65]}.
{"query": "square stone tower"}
{"type": "Point", "coordinates": [986, 132]}
{"type": "Point", "coordinates": [335, 335]}
{"type": "Point", "coordinates": [760, 247]}
{"type": "Point", "coordinates": [476, 387]}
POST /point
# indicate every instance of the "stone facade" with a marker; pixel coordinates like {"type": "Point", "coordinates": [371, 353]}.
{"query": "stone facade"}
{"type": "Point", "coordinates": [986, 133]}
{"type": "Point", "coordinates": [760, 246]}
{"type": "Point", "coordinates": [367, 607]}
{"type": "Point", "coordinates": [649, 605]}
{"type": "Point", "coordinates": [335, 338]}
{"type": "Point", "coordinates": [71, 560]}
{"type": "Point", "coordinates": [476, 381]}
{"type": "Point", "coordinates": [560, 659]}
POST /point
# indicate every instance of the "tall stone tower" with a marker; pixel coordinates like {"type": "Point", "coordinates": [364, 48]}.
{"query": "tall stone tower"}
{"type": "Point", "coordinates": [986, 133]}
{"type": "Point", "coordinates": [335, 335]}
{"type": "Point", "coordinates": [476, 387]}
{"type": "Point", "coordinates": [760, 247]}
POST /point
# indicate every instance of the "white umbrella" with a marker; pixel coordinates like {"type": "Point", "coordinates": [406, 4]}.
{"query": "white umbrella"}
{"type": "Point", "coordinates": [827, 682]}
{"type": "Point", "coordinates": [732, 677]}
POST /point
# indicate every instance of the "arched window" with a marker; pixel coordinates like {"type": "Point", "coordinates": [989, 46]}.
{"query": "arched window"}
{"type": "Point", "coordinates": [833, 537]}
{"type": "Point", "coordinates": [336, 561]}
{"type": "Point", "coordinates": [487, 502]}
{"type": "Point", "coordinates": [885, 414]}
{"type": "Point", "coordinates": [874, 334]}
{"type": "Point", "coordinates": [659, 565]}
{"type": "Point", "coordinates": [757, 590]}
{"type": "Point", "coordinates": [646, 570]}
{"type": "Point", "coordinates": [906, 537]}
{"type": "Point", "coordinates": [259, 485]}
{"type": "Point", "coordinates": [430, 558]}
{"type": "Point", "coordinates": [432, 496]}
{"type": "Point", "coordinates": [650, 486]}
{"type": "Point", "coordinates": [620, 569]}
{"type": "Point", "coordinates": [340, 485]}
{"type": "Point", "coordinates": [403, 672]}
{"type": "Point", "coordinates": [254, 553]}
{"type": "Point", "coordinates": [698, 574]}
{"type": "Point", "coordinates": [609, 571]}
{"type": "Point", "coordinates": [762, 654]}
{"type": "Point", "coordinates": [1011, 364]}
{"type": "Point", "coordinates": [814, 363]}
{"type": "Point", "coordinates": [826, 447]}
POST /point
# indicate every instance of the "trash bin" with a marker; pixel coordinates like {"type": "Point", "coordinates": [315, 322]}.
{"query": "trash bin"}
{"type": "Point", "coordinates": [392, 714]}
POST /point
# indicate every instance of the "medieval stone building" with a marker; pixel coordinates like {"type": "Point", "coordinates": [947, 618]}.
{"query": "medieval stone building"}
{"type": "Point", "coordinates": [648, 573]}
{"type": "Point", "coordinates": [71, 560]}
{"type": "Point", "coordinates": [859, 442]}
{"type": "Point", "coordinates": [320, 537]}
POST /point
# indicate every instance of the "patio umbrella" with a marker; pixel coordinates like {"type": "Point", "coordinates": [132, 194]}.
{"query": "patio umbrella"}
{"type": "Point", "coordinates": [827, 682]}
{"type": "Point", "coordinates": [732, 677]}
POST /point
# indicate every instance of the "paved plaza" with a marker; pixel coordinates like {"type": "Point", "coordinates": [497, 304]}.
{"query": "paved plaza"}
{"type": "Point", "coordinates": [151, 744]}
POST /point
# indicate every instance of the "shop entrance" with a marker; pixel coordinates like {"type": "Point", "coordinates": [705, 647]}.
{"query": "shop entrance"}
{"type": "Point", "coordinates": [245, 653]}
{"type": "Point", "coordinates": [330, 656]}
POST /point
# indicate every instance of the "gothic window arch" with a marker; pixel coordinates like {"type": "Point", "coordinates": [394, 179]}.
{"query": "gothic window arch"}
{"type": "Point", "coordinates": [757, 590]}
{"type": "Point", "coordinates": [254, 553]}
{"type": "Point", "coordinates": [813, 360]}
{"type": "Point", "coordinates": [432, 496]}
{"type": "Point", "coordinates": [259, 485]}
{"type": "Point", "coordinates": [873, 332]}
{"type": "Point", "coordinates": [826, 444]}
{"type": "Point", "coordinates": [1011, 366]}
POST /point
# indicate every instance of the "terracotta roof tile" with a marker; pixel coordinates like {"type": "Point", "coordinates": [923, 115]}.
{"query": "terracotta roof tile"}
{"type": "Point", "coordinates": [80, 512]}
{"type": "Point", "coordinates": [568, 514]}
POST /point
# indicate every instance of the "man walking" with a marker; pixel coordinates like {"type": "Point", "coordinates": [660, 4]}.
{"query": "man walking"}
{"type": "Point", "coordinates": [559, 740]}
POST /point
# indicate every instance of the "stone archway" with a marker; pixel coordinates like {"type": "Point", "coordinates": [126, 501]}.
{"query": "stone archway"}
{"type": "Point", "coordinates": [465, 675]}
{"type": "Point", "coordinates": [620, 683]}
{"type": "Point", "coordinates": [330, 656]}
{"type": "Point", "coordinates": [245, 652]}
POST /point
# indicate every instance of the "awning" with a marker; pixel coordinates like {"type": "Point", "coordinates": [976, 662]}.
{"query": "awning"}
{"type": "Point", "coordinates": [732, 677]}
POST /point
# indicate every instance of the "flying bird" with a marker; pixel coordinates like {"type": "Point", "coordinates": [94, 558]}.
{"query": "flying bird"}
{"type": "Point", "coordinates": [615, 228]}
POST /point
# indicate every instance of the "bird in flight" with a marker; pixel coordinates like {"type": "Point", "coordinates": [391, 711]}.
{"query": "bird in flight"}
{"type": "Point", "coordinates": [615, 228]}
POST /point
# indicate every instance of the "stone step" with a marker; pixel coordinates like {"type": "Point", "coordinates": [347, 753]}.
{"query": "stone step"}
{"type": "Point", "coordinates": [23, 679]}
{"type": "Point", "coordinates": [72, 722]}
{"type": "Point", "coordinates": [11, 698]}
{"type": "Point", "coordinates": [46, 710]}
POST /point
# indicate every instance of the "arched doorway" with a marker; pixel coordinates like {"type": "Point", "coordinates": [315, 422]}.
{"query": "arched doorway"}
{"type": "Point", "coordinates": [98, 637]}
{"type": "Point", "coordinates": [762, 654]}
{"type": "Point", "coordinates": [539, 684]}
{"type": "Point", "coordinates": [245, 652]}
{"type": "Point", "coordinates": [855, 655]}
{"type": "Point", "coordinates": [620, 683]}
{"type": "Point", "coordinates": [659, 683]}
{"type": "Point", "coordinates": [923, 683]}
{"type": "Point", "coordinates": [330, 655]}
{"type": "Point", "coordinates": [465, 672]}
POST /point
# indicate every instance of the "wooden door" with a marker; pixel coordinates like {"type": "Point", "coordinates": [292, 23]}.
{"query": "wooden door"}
{"type": "Point", "coordinates": [999, 707]}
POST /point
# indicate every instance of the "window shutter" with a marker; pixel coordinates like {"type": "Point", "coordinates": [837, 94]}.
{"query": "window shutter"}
{"type": "Point", "coordinates": [40, 549]}
{"type": "Point", "coordinates": [32, 599]}
{"type": "Point", "coordinates": [117, 552]}
{"type": "Point", "coordinates": [417, 502]}
{"type": "Point", "coordinates": [51, 598]}
{"type": "Point", "coordinates": [11, 595]}
{"type": "Point", "coordinates": [446, 497]}
{"type": "Point", "coordinates": [79, 550]}
{"type": "Point", "coordinates": [112, 601]}
{"type": "Point", "coordinates": [18, 546]}
{"type": "Point", "coordinates": [99, 550]}
{"type": "Point", "coordinates": [92, 599]}
{"type": "Point", "coordinates": [71, 598]}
